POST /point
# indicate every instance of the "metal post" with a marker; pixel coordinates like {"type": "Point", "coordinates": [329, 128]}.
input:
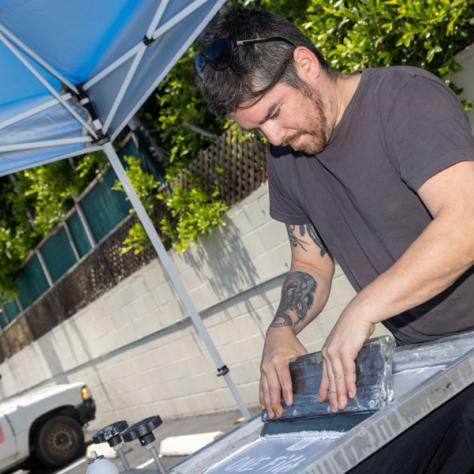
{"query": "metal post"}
{"type": "Point", "coordinates": [156, 458]}
{"type": "Point", "coordinates": [44, 268]}
{"type": "Point", "coordinates": [18, 302]}
{"type": "Point", "coordinates": [121, 454]}
{"type": "Point", "coordinates": [85, 224]}
{"type": "Point", "coordinates": [71, 242]}
{"type": "Point", "coordinates": [173, 274]}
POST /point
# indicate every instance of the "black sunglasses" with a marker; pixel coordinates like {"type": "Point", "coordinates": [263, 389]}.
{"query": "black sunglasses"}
{"type": "Point", "coordinates": [220, 53]}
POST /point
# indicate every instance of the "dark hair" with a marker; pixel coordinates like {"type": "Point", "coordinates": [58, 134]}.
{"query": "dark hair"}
{"type": "Point", "coordinates": [256, 68]}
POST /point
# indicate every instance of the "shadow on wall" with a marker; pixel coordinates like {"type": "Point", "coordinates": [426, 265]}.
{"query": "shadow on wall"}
{"type": "Point", "coordinates": [55, 366]}
{"type": "Point", "coordinates": [233, 277]}
{"type": "Point", "coordinates": [232, 270]}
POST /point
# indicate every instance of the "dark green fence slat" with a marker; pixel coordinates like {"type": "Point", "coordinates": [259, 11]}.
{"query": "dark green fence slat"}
{"type": "Point", "coordinates": [3, 320]}
{"type": "Point", "coordinates": [31, 282]}
{"type": "Point", "coordinates": [103, 207]}
{"type": "Point", "coordinates": [78, 234]}
{"type": "Point", "coordinates": [11, 310]}
{"type": "Point", "coordinates": [58, 254]}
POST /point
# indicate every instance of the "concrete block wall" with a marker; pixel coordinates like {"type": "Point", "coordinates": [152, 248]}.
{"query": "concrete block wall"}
{"type": "Point", "coordinates": [138, 351]}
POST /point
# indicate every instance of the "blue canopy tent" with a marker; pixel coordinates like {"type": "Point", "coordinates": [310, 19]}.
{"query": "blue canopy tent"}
{"type": "Point", "coordinates": [73, 74]}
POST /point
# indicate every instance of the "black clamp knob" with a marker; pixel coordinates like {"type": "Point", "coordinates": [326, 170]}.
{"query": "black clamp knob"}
{"type": "Point", "coordinates": [224, 370]}
{"type": "Point", "coordinates": [143, 430]}
{"type": "Point", "coordinates": [110, 434]}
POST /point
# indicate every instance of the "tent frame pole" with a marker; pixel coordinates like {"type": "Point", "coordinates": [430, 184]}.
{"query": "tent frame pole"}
{"type": "Point", "coordinates": [45, 83]}
{"type": "Point", "coordinates": [160, 77]}
{"type": "Point", "coordinates": [36, 110]}
{"type": "Point", "coordinates": [15, 40]}
{"type": "Point", "coordinates": [135, 49]}
{"type": "Point", "coordinates": [168, 266]}
{"type": "Point", "coordinates": [178, 17]}
{"type": "Point", "coordinates": [135, 64]}
{"type": "Point", "coordinates": [44, 144]}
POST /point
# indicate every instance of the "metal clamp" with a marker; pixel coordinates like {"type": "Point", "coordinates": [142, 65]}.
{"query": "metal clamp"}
{"type": "Point", "coordinates": [221, 371]}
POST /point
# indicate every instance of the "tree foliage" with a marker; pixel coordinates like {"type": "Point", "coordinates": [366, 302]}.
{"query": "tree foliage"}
{"type": "Point", "coordinates": [355, 34]}
{"type": "Point", "coordinates": [34, 201]}
{"type": "Point", "coordinates": [192, 213]}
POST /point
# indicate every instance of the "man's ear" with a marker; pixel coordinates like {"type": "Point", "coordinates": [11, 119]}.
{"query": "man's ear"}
{"type": "Point", "coordinates": [306, 63]}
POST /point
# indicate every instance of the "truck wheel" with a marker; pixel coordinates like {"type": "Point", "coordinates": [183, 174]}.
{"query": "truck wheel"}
{"type": "Point", "coordinates": [59, 441]}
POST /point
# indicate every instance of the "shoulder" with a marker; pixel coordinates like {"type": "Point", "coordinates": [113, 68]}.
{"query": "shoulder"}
{"type": "Point", "coordinates": [397, 85]}
{"type": "Point", "coordinates": [395, 78]}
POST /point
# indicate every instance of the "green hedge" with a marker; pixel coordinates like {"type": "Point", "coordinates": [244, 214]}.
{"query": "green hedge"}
{"type": "Point", "coordinates": [356, 34]}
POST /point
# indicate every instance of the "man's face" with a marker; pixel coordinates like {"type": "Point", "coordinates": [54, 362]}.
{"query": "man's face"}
{"type": "Point", "coordinates": [289, 117]}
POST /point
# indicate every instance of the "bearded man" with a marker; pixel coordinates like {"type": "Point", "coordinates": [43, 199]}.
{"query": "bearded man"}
{"type": "Point", "coordinates": [373, 169]}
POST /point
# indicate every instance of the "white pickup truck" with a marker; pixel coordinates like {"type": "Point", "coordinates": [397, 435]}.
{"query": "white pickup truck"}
{"type": "Point", "coordinates": [45, 424]}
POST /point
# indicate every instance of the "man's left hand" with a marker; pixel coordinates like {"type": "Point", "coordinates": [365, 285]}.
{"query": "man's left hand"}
{"type": "Point", "coordinates": [339, 353]}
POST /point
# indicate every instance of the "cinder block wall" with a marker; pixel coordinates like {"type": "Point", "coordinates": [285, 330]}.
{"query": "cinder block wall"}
{"type": "Point", "coordinates": [138, 351]}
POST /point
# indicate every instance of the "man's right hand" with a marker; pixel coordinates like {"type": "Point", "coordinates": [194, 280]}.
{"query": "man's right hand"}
{"type": "Point", "coordinates": [281, 346]}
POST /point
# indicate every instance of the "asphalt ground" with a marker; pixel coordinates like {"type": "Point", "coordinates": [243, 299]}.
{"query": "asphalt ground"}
{"type": "Point", "coordinates": [139, 458]}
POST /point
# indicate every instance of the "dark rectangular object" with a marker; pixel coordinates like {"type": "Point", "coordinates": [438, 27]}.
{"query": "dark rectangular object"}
{"type": "Point", "coordinates": [374, 382]}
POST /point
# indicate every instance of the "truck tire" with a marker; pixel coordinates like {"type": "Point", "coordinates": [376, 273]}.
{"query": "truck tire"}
{"type": "Point", "coordinates": [59, 441]}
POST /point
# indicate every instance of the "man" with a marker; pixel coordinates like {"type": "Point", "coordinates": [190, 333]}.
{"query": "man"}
{"type": "Point", "coordinates": [375, 169]}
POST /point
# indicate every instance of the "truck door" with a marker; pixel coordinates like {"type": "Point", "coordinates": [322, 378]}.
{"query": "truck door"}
{"type": "Point", "coordinates": [7, 443]}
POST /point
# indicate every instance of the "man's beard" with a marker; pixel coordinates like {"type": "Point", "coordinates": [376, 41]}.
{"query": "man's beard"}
{"type": "Point", "coordinates": [318, 137]}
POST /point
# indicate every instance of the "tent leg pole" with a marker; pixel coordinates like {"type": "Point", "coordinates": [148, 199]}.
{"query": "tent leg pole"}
{"type": "Point", "coordinates": [173, 274]}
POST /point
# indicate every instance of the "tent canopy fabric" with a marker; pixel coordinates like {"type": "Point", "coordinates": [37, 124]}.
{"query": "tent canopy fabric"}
{"type": "Point", "coordinates": [75, 71]}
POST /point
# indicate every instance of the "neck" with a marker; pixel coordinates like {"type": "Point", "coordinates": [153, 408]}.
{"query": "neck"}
{"type": "Point", "coordinates": [345, 88]}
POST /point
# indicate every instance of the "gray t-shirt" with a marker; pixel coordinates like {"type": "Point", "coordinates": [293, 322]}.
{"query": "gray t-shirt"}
{"type": "Point", "coordinates": [402, 126]}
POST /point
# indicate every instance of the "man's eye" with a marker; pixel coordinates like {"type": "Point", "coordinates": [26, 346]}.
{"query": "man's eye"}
{"type": "Point", "coordinates": [275, 114]}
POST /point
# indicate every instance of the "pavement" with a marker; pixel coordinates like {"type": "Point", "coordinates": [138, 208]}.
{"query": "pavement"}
{"type": "Point", "coordinates": [139, 458]}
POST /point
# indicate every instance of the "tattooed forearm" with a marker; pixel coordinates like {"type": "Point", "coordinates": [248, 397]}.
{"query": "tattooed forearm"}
{"type": "Point", "coordinates": [305, 229]}
{"type": "Point", "coordinates": [297, 295]}
{"type": "Point", "coordinates": [295, 241]}
{"type": "Point", "coordinates": [315, 238]}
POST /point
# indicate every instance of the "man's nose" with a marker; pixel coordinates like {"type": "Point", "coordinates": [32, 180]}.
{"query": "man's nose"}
{"type": "Point", "coordinates": [273, 133]}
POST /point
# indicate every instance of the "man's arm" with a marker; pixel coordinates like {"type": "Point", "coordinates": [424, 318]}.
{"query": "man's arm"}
{"type": "Point", "coordinates": [304, 293]}
{"type": "Point", "coordinates": [432, 263]}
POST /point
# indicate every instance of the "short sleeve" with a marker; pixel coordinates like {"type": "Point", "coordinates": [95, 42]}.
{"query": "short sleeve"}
{"type": "Point", "coordinates": [427, 130]}
{"type": "Point", "coordinates": [283, 205]}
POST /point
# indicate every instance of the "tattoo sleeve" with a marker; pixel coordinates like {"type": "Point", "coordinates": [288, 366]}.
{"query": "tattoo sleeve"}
{"type": "Point", "coordinates": [297, 297]}
{"type": "Point", "coordinates": [305, 229]}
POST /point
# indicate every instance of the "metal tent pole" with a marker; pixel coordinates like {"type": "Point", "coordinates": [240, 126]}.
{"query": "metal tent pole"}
{"type": "Point", "coordinates": [222, 369]}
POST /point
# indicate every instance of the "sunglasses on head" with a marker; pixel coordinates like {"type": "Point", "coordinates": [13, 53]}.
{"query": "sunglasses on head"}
{"type": "Point", "coordinates": [220, 53]}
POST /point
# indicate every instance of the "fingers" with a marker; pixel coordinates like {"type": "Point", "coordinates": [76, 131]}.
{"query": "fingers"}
{"type": "Point", "coordinates": [338, 380]}
{"type": "Point", "coordinates": [349, 367]}
{"type": "Point", "coordinates": [275, 381]}
{"type": "Point", "coordinates": [265, 402]}
{"type": "Point", "coordinates": [271, 392]}
{"type": "Point", "coordinates": [324, 387]}
{"type": "Point", "coordinates": [340, 397]}
{"type": "Point", "coordinates": [332, 392]}
{"type": "Point", "coordinates": [284, 377]}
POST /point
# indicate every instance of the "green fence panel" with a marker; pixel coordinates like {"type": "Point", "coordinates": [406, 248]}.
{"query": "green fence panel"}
{"type": "Point", "coordinates": [58, 254]}
{"type": "Point", "coordinates": [103, 207]}
{"type": "Point", "coordinates": [31, 282]}
{"type": "Point", "coordinates": [78, 234]}
{"type": "Point", "coordinates": [3, 320]}
{"type": "Point", "coordinates": [148, 164]}
{"type": "Point", "coordinates": [11, 310]}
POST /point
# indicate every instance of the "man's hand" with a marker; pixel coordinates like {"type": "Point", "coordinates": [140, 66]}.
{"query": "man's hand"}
{"type": "Point", "coordinates": [281, 346]}
{"type": "Point", "coordinates": [339, 353]}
